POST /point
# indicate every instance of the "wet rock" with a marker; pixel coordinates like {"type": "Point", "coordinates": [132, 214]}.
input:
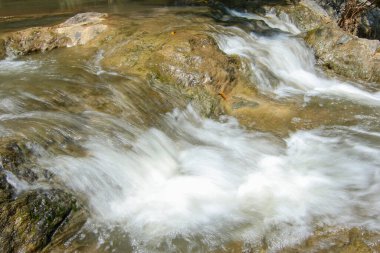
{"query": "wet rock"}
{"type": "Point", "coordinates": [2, 49]}
{"type": "Point", "coordinates": [335, 49]}
{"type": "Point", "coordinates": [33, 40]}
{"type": "Point", "coordinates": [30, 222]}
{"type": "Point", "coordinates": [306, 14]}
{"type": "Point", "coordinates": [6, 189]}
{"type": "Point", "coordinates": [77, 30]}
{"type": "Point", "coordinates": [345, 54]}
{"type": "Point", "coordinates": [353, 240]}
{"type": "Point", "coordinates": [16, 158]}
{"type": "Point", "coordinates": [241, 103]}
{"type": "Point", "coordinates": [185, 57]}
{"type": "Point", "coordinates": [194, 60]}
{"type": "Point", "coordinates": [82, 28]}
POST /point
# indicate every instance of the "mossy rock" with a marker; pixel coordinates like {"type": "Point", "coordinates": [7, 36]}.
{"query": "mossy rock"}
{"type": "Point", "coordinates": [2, 49]}
{"type": "Point", "coordinates": [29, 223]}
{"type": "Point", "coordinates": [6, 189]}
{"type": "Point", "coordinates": [354, 240]}
{"type": "Point", "coordinates": [345, 54]}
{"type": "Point", "coordinates": [17, 159]}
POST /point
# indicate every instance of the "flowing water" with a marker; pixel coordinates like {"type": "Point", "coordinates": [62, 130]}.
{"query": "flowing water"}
{"type": "Point", "coordinates": [157, 176]}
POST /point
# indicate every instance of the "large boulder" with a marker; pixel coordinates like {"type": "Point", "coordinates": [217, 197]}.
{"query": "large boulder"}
{"type": "Point", "coordinates": [77, 30]}
{"type": "Point", "coordinates": [345, 54]}
{"type": "Point", "coordinates": [185, 57]}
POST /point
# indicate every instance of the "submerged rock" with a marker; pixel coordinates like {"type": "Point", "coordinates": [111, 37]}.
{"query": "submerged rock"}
{"type": "Point", "coordinates": [77, 30]}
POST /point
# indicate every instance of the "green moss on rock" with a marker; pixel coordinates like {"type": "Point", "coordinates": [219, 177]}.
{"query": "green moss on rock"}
{"type": "Point", "coordinates": [28, 223]}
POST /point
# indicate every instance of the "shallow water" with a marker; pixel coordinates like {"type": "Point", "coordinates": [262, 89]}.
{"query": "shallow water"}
{"type": "Point", "coordinates": [158, 177]}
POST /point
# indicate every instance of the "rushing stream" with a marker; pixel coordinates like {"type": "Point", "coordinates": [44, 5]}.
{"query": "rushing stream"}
{"type": "Point", "coordinates": [157, 176]}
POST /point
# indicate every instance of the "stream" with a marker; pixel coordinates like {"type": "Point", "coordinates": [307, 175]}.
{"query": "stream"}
{"type": "Point", "coordinates": [158, 176]}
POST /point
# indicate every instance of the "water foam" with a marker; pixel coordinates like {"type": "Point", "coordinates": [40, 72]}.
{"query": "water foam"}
{"type": "Point", "coordinates": [12, 65]}
{"type": "Point", "coordinates": [213, 180]}
{"type": "Point", "coordinates": [281, 22]}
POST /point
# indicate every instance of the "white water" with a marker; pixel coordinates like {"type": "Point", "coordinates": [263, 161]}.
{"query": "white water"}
{"type": "Point", "coordinates": [284, 66]}
{"type": "Point", "coordinates": [15, 66]}
{"type": "Point", "coordinates": [216, 180]}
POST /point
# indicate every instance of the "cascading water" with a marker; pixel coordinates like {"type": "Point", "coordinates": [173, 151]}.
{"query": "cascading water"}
{"type": "Point", "coordinates": [202, 178]}
{"type": "Point", "coordinates": [282, 64]}
{"type": "Point", "coordinates": [178, 182]}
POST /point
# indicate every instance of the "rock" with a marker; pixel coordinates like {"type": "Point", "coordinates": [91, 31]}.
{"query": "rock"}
{"type": "Point", "coordinates": [6, 189]}
{"type": "Point", "coordinates": [31, 218]}
{"type": "Point", "coordinates": [192, 61]}
{"type": "Point", "coordinates": [306, 14]}
{"type": "Point", "coordinates": [30, 222]}
{"type": "Point", "coordinates": [369, 26]}
{"type": "Point", "coordinates": [186, 57]}
{"type": "Point", "coordinates": [82, 28]}
{"type": "Point", "coordinates": [16, 158]}
{"type": "Point", "coordinates": [241, 103]}
{"type": "Point", "coordinates": [33, 40]}
{"type": "Point", "coordinates": [369, 23]}
{"type": "Point", "coordinates": [345, 54]}
{"type": "Point", "coordinates": [354, 240]}
{"type": "Point", "coordinates": [183, 57]}
{"type": "Point", "coordinates": [77, 30]}
{"type": "Point", "coordinates": [336, 50]}
{"type": "Point", "coordinates": [2, 49]}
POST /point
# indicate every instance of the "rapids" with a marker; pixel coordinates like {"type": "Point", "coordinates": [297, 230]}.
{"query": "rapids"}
{"type": "Point", "coordinates": [157, 176]}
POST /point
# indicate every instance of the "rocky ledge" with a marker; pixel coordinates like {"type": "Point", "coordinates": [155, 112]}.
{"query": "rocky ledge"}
{"type": "Point", "coordinates": [77, 30]}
